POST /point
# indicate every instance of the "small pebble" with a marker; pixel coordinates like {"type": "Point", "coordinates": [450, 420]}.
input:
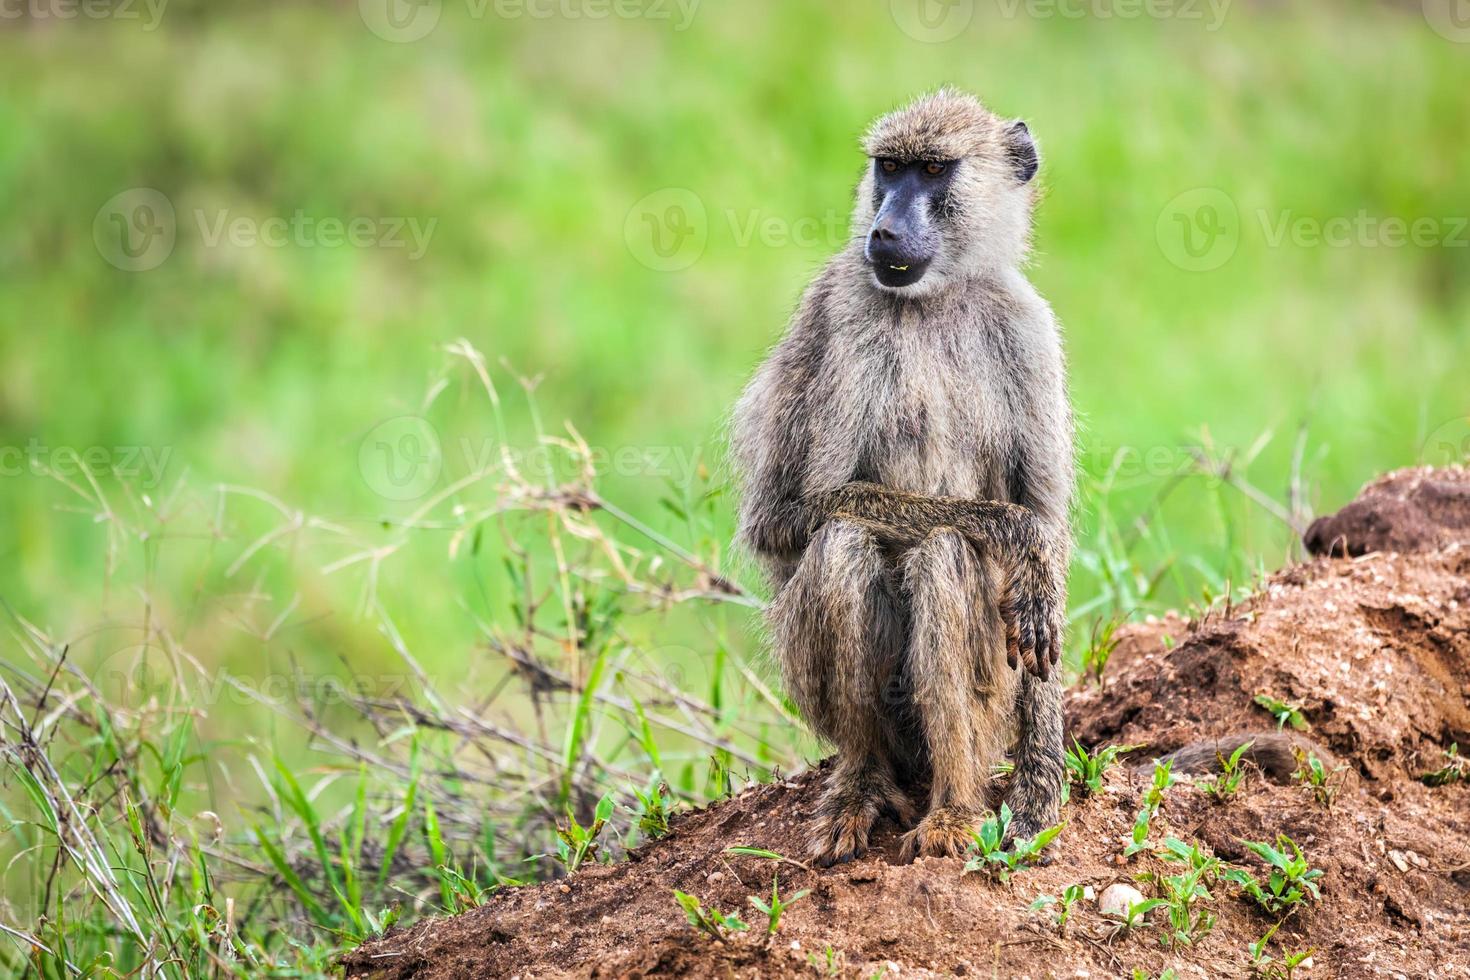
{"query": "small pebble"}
{"type": "Point", "coordinates": [1117, 899]}
{"type": "Point", "coordinates": [715, 877]}
{"type": "Point", "coordinates": [564, 888]}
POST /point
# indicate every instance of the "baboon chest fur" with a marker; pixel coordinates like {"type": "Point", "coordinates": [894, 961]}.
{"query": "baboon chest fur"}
{"type": "Point", "coordinates": [924, 403]}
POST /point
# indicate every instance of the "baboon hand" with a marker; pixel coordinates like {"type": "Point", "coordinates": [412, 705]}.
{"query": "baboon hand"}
{"type": "Point", "coordinates": [1034, 617]}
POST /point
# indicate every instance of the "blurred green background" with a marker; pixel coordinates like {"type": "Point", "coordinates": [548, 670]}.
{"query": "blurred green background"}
{"type": "Point", "coordinates": [624, 203]}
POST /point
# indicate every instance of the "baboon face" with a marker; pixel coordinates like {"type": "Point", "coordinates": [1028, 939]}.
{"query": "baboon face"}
{"type": "Point", "coordinates": [911, 198]}
{"type": "Point", "coordinates": [948, 195]}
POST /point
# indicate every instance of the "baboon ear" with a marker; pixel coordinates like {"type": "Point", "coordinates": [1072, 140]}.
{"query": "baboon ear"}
{"type": "Point", "coordinates": [1021, 148]}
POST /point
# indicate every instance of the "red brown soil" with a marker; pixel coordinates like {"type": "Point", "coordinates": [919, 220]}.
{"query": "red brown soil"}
{"type": "Point", "coordinates": [1408, 510]}
{"type": "Point", "coordinates": [1376, 651]}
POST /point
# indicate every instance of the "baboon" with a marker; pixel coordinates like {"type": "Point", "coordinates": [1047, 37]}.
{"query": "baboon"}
{"type": "Point", "coordinates": [905, 458]}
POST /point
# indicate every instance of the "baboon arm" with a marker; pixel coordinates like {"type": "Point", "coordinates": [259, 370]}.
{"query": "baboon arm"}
{"type": "Point", "coordinates": [771, 436]}
{"type": "Point", "coordinates": [907, 518]}
{"type": "Point", "coordinates": [782, 528]}
{"type": "Point", "coordinates": [1032, 601]}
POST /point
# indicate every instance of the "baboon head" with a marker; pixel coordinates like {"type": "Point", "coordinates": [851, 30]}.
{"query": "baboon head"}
{"type": "Point", "coordinates": [949, 193]}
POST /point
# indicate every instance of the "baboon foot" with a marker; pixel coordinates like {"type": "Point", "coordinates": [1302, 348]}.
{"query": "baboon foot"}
{"type": "Point", "coordinates": [845, 817]}
{"type": "Point", "coordinates": [1025, 827]}
{"type": "Point", "coordinates": [946, 831]}
{"type": "Point", "coordinates": [1031, 813]}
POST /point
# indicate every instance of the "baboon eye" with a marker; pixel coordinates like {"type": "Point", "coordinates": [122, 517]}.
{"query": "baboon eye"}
{"type": "Point", "coordinates": [889, 166]}
{"type": "Point", "coordinates": [933, 168]}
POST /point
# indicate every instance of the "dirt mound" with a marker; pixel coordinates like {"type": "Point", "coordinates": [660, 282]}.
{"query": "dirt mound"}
{"type": "Point", "coordinates": [1410, 510]}
{"type": "Point", "coordinates": [1372, 653]}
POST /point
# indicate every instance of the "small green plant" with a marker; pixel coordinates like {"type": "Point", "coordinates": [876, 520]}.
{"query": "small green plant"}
{"type": "Point", "coordinates": [1139, 841]}
{"type": "Point", "coordinates": [1227, 782]}
{"type": "Point", "coordinates": [1455, 770]}
{"type": "Point", "coordinates": [1313, 773]}
{"type": "Point", "coordinates": [575, 843]}
{"type": "Point", "coordinates": [1268, 968]}
{"type": "Point", "coordinates": [1176, 850]}
{"type": "Point", "coordinates": [773, 909]}
{"type": "Point", "coordinates": [989, 854]}
{"type": "Point", "coordinates": [709, 921]}
{"type": "Point", "coordinates": [1184, 897]}
{"type": "Point", "coordinates": [1100, 648]}
{"type": "Point", "coordinates": [1070, 896]}
{"type": "Point", "coordinates": [1134, 916]}
{"type": "Point", "coordinates": [828, 963]}
{"type": "Point", "coordinates": [1168, 974]}
{"type": "Point", "coordinates": [1285, 712]}
{"type": "Point", "coordinates": [654, 808]}
{"type": "Point", "coordinates": [1291, 883]}
{"type": "Point", "coordinates": [1087, 769]}
{"type": "Point", "coordinates": [1163, 779]}
{"type": "Point", "coordinates": [1186, 893]}
{"type": "Point", "coordinates": [757, 852]}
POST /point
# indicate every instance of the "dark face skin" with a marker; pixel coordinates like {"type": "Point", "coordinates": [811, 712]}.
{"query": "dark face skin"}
{"type": "Point", "coordinates": [910, 201]}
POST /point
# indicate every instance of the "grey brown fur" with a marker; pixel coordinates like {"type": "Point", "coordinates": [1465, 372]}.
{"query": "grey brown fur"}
{"type": "Point", "coordinates": [906, 462]}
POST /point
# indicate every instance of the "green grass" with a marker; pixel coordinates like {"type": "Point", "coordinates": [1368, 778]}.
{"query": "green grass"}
{"type": "Point", "coordinates": [255, 624]}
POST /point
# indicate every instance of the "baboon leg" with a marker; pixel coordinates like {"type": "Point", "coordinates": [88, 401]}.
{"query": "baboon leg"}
{"type": "Point", "coordinates": [1035, 792]}
{"type": "Point", "coordinates": [956, 661]}
{"type": "Point", "coordinates": [838, 633]}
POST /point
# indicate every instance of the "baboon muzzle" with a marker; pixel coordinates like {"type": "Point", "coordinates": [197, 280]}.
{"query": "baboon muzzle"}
{"type": "Point", "coordinates": [901, 242]}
